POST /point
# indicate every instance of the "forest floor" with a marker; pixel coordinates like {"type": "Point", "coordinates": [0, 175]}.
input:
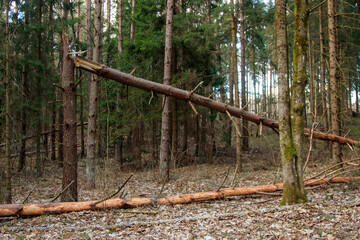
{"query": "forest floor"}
{"type": "Point", "coordinates": [333, 212]}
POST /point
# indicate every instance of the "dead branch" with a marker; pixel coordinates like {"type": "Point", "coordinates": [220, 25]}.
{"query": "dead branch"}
{"type": "Point", "coordinates": [112, 195]}
{"type": "Point", "coordinates": [57, 196]}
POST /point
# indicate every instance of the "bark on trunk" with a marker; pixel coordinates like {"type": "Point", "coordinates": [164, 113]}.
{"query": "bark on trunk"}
{"type": "Point", "coordinates": [245, 124]}
{"type": "Point", "coordinates": [234, 73]}
{"type": "Point", "coordinates": [292, 163]}
{"type": "Point", "coordinates": [93, 103]}
{"type": "Point", "coordinates": [165, 144]}
{"type": "Point", "coordinates": [184, 95]}
{"type": "Point", "coordinates": [21, 210]}
{"type": "Point", "coordinates": [8, 195]}
{"type": "Point", "coordinates": [334, 81]}
{"type": "Point", "coordinates": [120, 22]}
{"type": "Point", "coordinates": [132, 26]}
{"type": "Point", "coordinates": [69, 103]}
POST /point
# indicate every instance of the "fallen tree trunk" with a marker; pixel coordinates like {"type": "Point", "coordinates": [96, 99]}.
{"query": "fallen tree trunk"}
{"type": "Point", "coordinates": [188, 96]}
{"type": "Point", "coordinates": [8, 210]}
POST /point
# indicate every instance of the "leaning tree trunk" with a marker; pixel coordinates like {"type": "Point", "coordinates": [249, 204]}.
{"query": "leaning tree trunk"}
{"type": "Point", "coordinates": [334, 81]}
{"type": "Point", "coordinates": [165, 144]}
{"type": "Point", "coordinates": [187, 96]}
{"type": "Point", "coordinates": [69, 124]}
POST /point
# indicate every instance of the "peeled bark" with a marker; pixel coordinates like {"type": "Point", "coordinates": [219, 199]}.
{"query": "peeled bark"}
{"type": "Point", "coordinates": [19, 210]}
{"type": "Point", "coordinates": [184, 95]}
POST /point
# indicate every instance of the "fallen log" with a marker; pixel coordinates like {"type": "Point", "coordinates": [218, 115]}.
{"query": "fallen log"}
{"type": "Point", "coordinates": [188, 96]}
{"type": "Point", "coordinates": [8, 210]}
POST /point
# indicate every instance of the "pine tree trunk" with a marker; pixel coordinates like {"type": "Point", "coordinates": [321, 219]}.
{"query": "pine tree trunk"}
{"type": "Point", "coordinates": [245, 124]}
{"type": "Point", "coordinates": [132, 26]}
{"type": "Point", "coordinates": [69, 124]}
{"type": "Point", "coordinates": [120, 22]}
{"type": "Point", "coordinates": [165, 144]}
{"type": "Point", "coordinates": [236, 84]}
{"type": "Point", "coordinates": [93, 103]}
{"type": "Point", "coordinates": [8, 193]}
{"type": "Point", "coordinates": [324, 90]}
{"type": "Point", "coordinates": [334, 81]}
{"type": "Point", "coordinates": [175, 134]}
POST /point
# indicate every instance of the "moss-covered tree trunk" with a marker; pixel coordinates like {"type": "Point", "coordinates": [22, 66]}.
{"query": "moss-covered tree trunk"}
{"type": "Point", "coordinates": [291, 120]}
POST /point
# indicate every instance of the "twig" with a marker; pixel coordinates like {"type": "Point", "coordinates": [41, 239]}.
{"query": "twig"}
{"type": "Point", "coordinates": [122, 186]}
{"type": "Point", "coordinates": [78, 82]}
{"type": "Point", "coordinates": [152, 95]}
{"type": "Point", "coordinates": [222, 184]}
{"type": "Point", "coordinates": [197, 86]}
{"type": "Point", "coordinates": [317, 175]}
{"type": "Point", "coordinates": [193, 108]}
{"type": "Point", "coordinates": [162, 188]}
{"type": "Point", "coordinates": [132, 72]}
{"type": "Point", "coordinates": [57, 196]}
{"type": "Point", "coordinates": [310, 147]}
{"type": "Point", "coordinates": [141, 212]}
{"type": "Point", "coordinates": [269, 194]}
{"type": "Point", "coordinates": [29, 194]}
{"type": "Point", "coordinates": [317, 6]}
{"type": "Point", "coordinates": [56, 85]}
{"type": "Point", "coordinates": [234, 123]}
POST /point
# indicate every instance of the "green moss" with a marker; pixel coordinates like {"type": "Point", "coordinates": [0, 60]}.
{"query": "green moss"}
{"type": "Point", "coordinates": [290, 152]}
{"type": "Point", "coordinates": [292, 195]}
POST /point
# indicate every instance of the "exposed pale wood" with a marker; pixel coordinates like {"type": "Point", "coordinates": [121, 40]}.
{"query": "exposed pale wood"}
{"type": "Point", "coordinates": [8, 210]}
{"type": "Point", "coordinates": [184, 95]}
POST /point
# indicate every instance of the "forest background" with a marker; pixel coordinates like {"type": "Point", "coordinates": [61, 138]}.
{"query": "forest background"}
{"type": "Point", "coordinates": [208, 39]}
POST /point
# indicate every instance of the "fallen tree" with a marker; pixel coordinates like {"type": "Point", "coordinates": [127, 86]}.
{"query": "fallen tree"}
{"type": "Point", "coordinates": [8, 210]}
{"type": "Point", "coordinates": [188, 96]}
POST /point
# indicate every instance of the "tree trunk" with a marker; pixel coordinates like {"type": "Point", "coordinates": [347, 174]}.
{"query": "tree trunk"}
{"type": "Point", "coordinates": [9, 210]}
{"type": "Point", "coordinates": [93, 103]}
{"type": "Point", "coordinates": [184, 95]}
{"type": "Point", "coordinates": [294, 190]}
{"type": "Point", "coordinates": [311, 74]}
{"type": "Point", "coordinates": [39, 170]}
{"type": "Point", "coordinates": [69, 103]}
{"type": "Point", "coordinates": [165, 144]}
{"type": "Point", "coordinates": [8, 194]}
{"type": "Point", "coordinates": [245, 124]}
{"type": "Point", "coordinates": [234, 70]}
{"type": "Point", "coordinates": [25, 92]}
{"type": "Point", "coordinates": [132, 26]}
{"type": "Point", "coordinates": [120, 22]}
{"type": "Point", "coordinates": [175, 133]}
{"type": "Point", "coordinates": [322, 74]}
{"type": "Point", "coordinates": [88, 40]}
{"type": "Point", "coordinates": [334, 81]}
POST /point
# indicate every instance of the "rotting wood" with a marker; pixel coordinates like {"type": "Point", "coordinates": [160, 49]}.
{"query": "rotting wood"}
{"type": "Point", "coordinates": [127, 79]}
{"type": "Point", "coordinates": [8, 210]}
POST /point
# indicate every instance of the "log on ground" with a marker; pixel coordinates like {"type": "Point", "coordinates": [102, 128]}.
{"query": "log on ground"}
{"type": "Point", "coordinates": [8, 210]}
